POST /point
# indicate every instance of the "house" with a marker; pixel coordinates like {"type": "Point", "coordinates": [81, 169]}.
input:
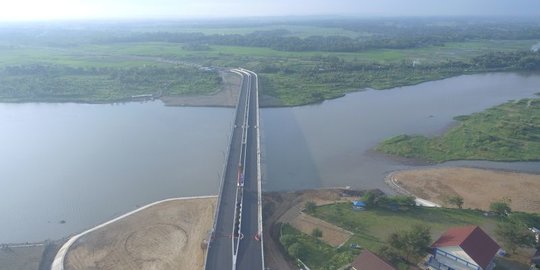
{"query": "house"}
{"type": "Point", "coordinates": [369, 261]}
{"type": "Point", "coordinates": [464, 248]}
{"type": "Point", "coordinates": [358, 205]}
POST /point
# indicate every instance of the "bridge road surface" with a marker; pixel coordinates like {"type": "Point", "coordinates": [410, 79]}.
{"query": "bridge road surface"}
{"type": "Point", "coordinates": [220, 252]}
{"type": "Point", "coordinates": [249, 252]}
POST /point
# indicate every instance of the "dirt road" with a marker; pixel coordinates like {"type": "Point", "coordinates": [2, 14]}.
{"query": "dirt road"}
{"type": "Point", "coordinates": [164, 236]}
{"type": "Point", "coordinates": [477, 187]}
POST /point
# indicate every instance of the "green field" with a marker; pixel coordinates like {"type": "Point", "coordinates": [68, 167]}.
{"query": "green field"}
{"type": "Point", "coordinates": [509, 132]}
{"type": "Point", "coordinates": [371, 227]}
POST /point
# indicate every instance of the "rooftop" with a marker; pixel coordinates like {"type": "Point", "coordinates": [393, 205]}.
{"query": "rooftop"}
{"type": "Point", "coordinates": [369, 261]}
{"type": "Point", "coordinates": [473, 240]}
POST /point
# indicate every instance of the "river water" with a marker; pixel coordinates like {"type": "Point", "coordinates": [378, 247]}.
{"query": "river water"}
{"type": "Point", "coordinates": [84, 164]}
{"type": "Point", "coordinates": [328, 145]}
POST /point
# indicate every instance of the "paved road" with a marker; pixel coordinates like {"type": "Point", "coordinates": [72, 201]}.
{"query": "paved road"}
{"type": "Point", "coordinates": [223, 245]}
{"type": "Point", "coordinates": [250, 253]}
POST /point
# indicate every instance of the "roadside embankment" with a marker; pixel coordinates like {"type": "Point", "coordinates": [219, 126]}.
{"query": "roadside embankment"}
{"type": "Point", "coordinates": [166, 235]}
{"type": "Point", "coordinates": [478, 187]}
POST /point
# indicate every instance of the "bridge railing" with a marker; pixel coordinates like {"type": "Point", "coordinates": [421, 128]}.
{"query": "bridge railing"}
{"type": "Point", "coordinates": [259, 172]}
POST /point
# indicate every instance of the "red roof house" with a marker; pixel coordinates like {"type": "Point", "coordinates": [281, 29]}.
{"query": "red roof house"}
{"type": "Point", "coordinates": [466, 247]}
{"type": "Point", "coordinates": [369, 261]}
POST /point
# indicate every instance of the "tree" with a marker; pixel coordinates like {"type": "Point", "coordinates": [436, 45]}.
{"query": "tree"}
{"type": "Point", "coordinates": [310, 207]}
{"type": "Point", "coordinates": [296, 250]}
{"type": "Point", "coordinates": [409, 244]}
{"type": "Point", "coordinates": [287, 240]}
{"type": "Point", "coordinates": [514, 235]}
{"type": "Point", "coordinates": [317, 232]}
{"type": "Point", "coordinates": [502, 207]}
{"type": "Point", "coordinates": [455, 200]}
{"type": "Point", "coordinates": [396, 201]}
{"type": "Point", "coordinates": [389, 254]}
{"type": "Point", "coordinates": [372, 199]}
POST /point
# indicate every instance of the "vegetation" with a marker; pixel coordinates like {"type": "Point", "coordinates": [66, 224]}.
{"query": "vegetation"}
{"type": "Point", "coordinates": [455, 200]}
{"type": "Point", "coordinates": [310, 207]}
{"type": "Point", "coordinates": [314, 252]}
{"type": "Point", "coordinates": [53, 83]}
{"type": "Point", "coordinates": [317, 233]}
{"type": "Point", "coordinates": [407, 245]}
{"type": "Point", "coordinates": [372, 227]}
{"type": "Point", "coordinates": [299, 62]}
{"type": "Point", "coordinates": [501, 208]}
{"type": "Point", "coordinates": [514, 234]}
{"type": "Point", "coordinates": [510, 131]}
{"type": "Point", "coordinates": [376, 200]}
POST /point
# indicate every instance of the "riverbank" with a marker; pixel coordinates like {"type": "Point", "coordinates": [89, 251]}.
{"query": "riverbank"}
{"type": "Point", "coordinates": [508, 132]}
{"type": "Point", "coordinates": [164, 235]}
{"type": "Point", "coordinates": [478, 187]}
{"type": "Point", "coordinates": [226, 96]}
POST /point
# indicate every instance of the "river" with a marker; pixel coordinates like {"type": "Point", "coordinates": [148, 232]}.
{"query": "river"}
{"type": "Point", "coordinates": [85, 164]}
{"type": "Point", "coordinates": [328, 144]}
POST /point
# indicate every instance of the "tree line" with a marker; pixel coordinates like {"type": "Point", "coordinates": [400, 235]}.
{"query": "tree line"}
{"type": "Point", "coordinates": [283, 40]}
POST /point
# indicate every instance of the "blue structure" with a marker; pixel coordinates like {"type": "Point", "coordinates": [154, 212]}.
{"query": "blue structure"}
{"type": "Point", "coordinates": [359, 205]}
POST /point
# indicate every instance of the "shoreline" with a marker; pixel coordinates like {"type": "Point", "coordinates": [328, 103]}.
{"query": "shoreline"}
{"type": "Point", "coordinates": [215, 98]}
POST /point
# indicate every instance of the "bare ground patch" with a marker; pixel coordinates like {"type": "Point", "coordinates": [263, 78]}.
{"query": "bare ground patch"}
{"type": "Point", "coordinates": [165, 236]}
{"type": "Point", "coordinates": [478, 187]}
{"type": "Point", "coordinates": [332, 234]}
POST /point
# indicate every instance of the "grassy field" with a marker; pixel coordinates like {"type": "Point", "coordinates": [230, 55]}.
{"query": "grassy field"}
{"type": "Point", "coordinates": [450, 51]}
{"type": "Point", "coordinates": [371, 227]}
{"type": "Point", "coordinates": [97, 73]}
{"type": "Point", "coordinates": [509, 132]}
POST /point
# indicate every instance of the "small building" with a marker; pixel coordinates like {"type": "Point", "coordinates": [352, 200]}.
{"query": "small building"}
{"type": "Point", "coordinates": [358, 205]}
{"type": "Point", "coordinates": [467, 248]}
{"type": "Point", "coordinates": [369, 261]}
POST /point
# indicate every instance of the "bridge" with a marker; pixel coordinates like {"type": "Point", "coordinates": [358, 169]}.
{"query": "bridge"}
{"type": "Point", "coordinates": [236, 240]}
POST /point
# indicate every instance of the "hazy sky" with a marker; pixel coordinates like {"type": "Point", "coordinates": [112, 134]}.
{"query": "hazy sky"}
{"type": "Point", "coordinates": [17, 10]}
